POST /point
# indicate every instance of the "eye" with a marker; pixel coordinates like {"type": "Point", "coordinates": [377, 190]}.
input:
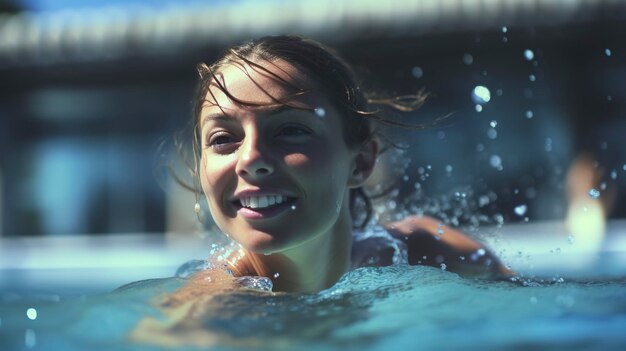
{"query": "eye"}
{"type": "Point", "coordinates": [291, 130]}
{"type": "Point", "coordinates": [221, 141]}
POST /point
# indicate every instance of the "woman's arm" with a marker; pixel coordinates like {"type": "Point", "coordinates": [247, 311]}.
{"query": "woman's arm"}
{"type": "Point", "coordinates": [431, 243]}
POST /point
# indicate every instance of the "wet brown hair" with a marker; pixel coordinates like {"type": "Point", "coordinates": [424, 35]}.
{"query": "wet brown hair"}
{"type": "Point", "coordinates": [334, 78]}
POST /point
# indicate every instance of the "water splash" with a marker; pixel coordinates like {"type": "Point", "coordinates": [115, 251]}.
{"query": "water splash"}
{"type": "Point", "coordinates": [256, 283]}
{"type": "Point", "coordinates": [594, 193]}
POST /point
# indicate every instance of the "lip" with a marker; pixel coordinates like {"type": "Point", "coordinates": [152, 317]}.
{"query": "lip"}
{"type": "Point", "coordinates": [263, 213]}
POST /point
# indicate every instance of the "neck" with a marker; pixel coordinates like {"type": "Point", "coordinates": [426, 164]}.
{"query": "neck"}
{"type": "Point", "coordinates": [309, 267]}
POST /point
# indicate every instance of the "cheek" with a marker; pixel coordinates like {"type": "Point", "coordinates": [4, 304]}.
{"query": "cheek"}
{"type": "Point", "coordinates": [213, 176]}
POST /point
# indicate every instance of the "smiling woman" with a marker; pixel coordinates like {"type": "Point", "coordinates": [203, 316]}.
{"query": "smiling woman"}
{"type": "Point", "coordinates": [287, 140]}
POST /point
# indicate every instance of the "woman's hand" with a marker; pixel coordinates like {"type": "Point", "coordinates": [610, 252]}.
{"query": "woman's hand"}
{"type": "Point", "coordinates": [432, 243]}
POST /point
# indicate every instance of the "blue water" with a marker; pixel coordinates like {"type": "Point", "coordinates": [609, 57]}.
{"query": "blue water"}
{"type": "Point", "coordinates": [398, 307]}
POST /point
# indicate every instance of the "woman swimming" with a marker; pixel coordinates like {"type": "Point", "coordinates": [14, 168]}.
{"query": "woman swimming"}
{"type": "Point", "coordinates": [287, 141]}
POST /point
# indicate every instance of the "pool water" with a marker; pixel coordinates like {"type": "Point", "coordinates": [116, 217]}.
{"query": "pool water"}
{"type": "Point", "coordinates": [397, 307]}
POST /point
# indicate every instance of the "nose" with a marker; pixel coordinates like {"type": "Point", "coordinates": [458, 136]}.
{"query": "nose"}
{"type": "Point", "coordinates": [254, 162]}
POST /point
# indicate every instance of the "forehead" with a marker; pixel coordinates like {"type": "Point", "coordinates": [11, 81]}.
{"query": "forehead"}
{"type": "Point", "coordinates": [260, 87]}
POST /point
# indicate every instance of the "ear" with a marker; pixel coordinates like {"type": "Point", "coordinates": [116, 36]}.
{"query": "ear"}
{"type": "Point", "coordinates": [364, 163]}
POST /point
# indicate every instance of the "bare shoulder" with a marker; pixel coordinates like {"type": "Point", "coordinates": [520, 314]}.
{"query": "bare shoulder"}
{"type": "Point", "coordinates": [430, 242]}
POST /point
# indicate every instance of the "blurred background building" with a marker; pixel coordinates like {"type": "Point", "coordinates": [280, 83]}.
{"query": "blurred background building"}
{"type": "Point", "coordinates": [89, 90]}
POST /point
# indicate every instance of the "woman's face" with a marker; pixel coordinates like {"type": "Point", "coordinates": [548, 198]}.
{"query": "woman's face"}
{"type": "Point", "coordinates": [274, 177]}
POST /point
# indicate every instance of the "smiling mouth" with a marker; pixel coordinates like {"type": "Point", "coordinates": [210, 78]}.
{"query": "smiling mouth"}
{"type": "Point", "coordinates": [263, 202]}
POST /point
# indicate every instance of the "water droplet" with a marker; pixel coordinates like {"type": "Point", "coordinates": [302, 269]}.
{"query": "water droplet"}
{"type": "Point", "coordinates": [443, 267]}
{"type": "Point", "coordinates": [320, 112]}
{"type": "Point", "coordinates": [495, 161]}
{"type": "Point", "coordinates": [30, 338]}
{"type": "Point", "coordinates": [533, 300]}
{"type": "Point", "coordinates": [571, 239]}
{"type": "Point", "coordinates": [529, 54]}
{"type": "Point", "coordinates": [609, 98]}
{"type": "Point", "coordinates": [613, 174]}
{"type": "Point", "coordinates": [481, 94]}
{"type": "Point", "coordinates": [504, 29]}
{"type": "Point", "coordinates": [480, 147]}
{"type": "Point", "coordinates": [196, 208]}
{"type": "Point", "coordinates": [481, 252]}
{"type": "Point", "coordinates": [607, 52]}
{"type": "Point", "coordinates": [293, 207]}
{"type": "Point", "coordinates": [558, 250]}
{"type": "Point", "coordinates": [529, 114]}
{"type": "Point", "coordinates": [532, 78]}
{"type": "Point", "coordinates": [405, 178]}
{"type": "Point", "coordinates": [492, 133]}
{"type": "Point", "coordinates": [478, 108]}
{"type": "Point", "coordinates": [603, 186]}
{"type": "Point", "coordinates": [505, 39]}
{"type": "Point", "coordinates": [468, 59]}
{"type": "Point", "coordinates": [548, 145]}
{"type": "Point", "coordinates": [417, 72]}
{"type": "Point", "coordinates": [493, 124]}
{"type": "Point", "coordinates": [624, 167]}
{"type": "Point", "coordinates": [31, 313]}
{"type": "Point", "coordinates": [520, 210]}
{"type": "Point", "coordinates": [462, 258]}
{"type": "Point", "coordinates": [267, 253]}
{"type": "Point", "coordinates": [594, 193]}
{"type": "Point", "coordinates": [276, 275]}
{"type": "Point", "coordinates": [483, 201]}
{"type": "Point", "coordinates": [499, 92]}
{"type": "Point", "coordinates": [448, 168]}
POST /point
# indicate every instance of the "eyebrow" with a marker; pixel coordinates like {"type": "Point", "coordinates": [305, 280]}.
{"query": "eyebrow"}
{"type": "Point", "coordinates": [271, 111]}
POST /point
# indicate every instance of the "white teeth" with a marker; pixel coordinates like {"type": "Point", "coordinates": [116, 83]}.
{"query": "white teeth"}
{"type": "Point", "coordinates": [262, 201]}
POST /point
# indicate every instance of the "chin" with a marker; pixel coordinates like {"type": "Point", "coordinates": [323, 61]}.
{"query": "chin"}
{"type": "Point", "coordinates": [264, 243]}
